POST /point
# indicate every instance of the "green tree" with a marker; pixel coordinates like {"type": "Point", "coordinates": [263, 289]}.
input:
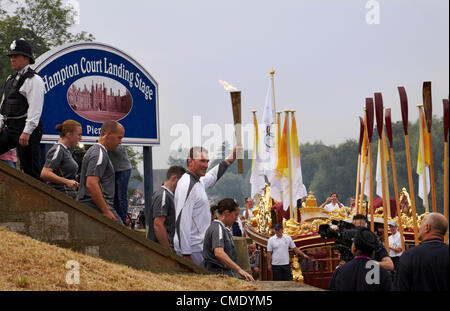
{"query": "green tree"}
{"type": "Point", "coordinates": [43, 23]}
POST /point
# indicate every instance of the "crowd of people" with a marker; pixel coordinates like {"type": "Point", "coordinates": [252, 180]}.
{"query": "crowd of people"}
{"type": "Point", "coordinates": [180, 217]}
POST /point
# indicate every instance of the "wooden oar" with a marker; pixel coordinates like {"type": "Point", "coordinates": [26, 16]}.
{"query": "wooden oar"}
{"type": "Point", "coordinates": [423, 158]}
{"type": "Point", "coordinates": [426, 92]}
{"type": "Point", "coordinates": [387, 119]}
{"type": "Point", "coordinates": [358, 176]}
{"type": "Point", "coordinates": [369, 113]}
{"type": "Point", "coordinates": [446, 126]}
{"type": "Point", "coordinates": [365, 155]}
{"type": "Point", "coordinates": [384, 181]}
{"type": "Point", "coordinates": [404, 107]}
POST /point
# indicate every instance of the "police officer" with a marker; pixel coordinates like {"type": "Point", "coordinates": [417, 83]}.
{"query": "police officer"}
{"type": "Point", "coordinates": [21, 108]}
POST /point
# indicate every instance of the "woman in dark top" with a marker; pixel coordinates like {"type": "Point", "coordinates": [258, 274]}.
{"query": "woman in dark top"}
{"type": "Point", "coordinates": [60, 168]}
{"type": "Point", "coordinates": [219, 251]}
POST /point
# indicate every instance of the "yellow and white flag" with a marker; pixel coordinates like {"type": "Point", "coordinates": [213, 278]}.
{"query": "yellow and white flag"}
{"type": "Point", "coordinates": [298, 188]}
{"type": "Point", "coordinates": [281, 172]}
{"type": "Point", "coordinates": [364, 158]}
{"type": "Point", "coordinates": [257, 180]}
{"type": "Point", "coordinates": [424, 140]}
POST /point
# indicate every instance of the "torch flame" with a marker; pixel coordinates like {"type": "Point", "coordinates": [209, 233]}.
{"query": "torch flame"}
{"type": "Point", "coordinates": [227, 86]}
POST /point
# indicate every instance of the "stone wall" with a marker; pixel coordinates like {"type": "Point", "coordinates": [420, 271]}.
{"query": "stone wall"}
{"type": "Point", "coordinates": [30, 207]}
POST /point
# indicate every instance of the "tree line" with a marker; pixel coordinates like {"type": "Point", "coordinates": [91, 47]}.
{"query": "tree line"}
{"type": "Point", "coordinates": [42, 23]}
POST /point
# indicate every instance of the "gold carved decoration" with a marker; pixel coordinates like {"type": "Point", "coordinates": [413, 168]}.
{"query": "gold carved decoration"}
{"type": "Point", "coordinates": [297, 275]}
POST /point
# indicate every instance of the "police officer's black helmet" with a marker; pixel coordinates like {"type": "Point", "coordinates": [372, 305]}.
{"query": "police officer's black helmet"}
{"type": "Point", "coordinates": [22, 47]}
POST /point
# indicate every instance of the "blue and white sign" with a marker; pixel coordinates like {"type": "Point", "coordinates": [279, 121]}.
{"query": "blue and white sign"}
{"type": "Point", "coordinates": [92, 82]}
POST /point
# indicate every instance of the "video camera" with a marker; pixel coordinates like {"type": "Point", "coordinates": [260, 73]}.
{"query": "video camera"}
{"type": "Point", "coordinates": [343, 235]}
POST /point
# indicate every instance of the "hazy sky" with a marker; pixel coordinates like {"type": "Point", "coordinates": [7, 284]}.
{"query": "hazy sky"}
{"type": "Point", "coordinates": [327, 58]}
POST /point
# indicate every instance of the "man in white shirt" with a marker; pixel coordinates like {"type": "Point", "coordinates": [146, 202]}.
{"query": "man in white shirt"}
{"type": "Point", "coordinates": [248, 203]}
{"type": "Point", "coordinates": [332, 203]}
{"type": "Point", "coordinates": [192, 208]}
{"type": "Point", "coordinates": [21, 108]}
{"type": "Point", "coordinates": [278, 255]}
{"type": "Point", "coordinates": [395, 243]}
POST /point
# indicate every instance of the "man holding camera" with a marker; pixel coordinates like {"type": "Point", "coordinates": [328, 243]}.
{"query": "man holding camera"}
{"type": "Point", "coordinates": [380, 254]}
{"type": "Point", "coordinates": [332, 203]}
{"type": "Point", "coordinates": [361, 273]}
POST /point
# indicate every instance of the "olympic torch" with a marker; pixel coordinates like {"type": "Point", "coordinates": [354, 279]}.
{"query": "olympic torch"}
{"type": "Point", "coordinates": [236, 104]}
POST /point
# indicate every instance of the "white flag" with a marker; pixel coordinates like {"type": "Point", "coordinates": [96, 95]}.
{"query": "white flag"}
{"type": "Point", "coordinates": [366, 189]}
{"type": "Point", "coordinates": [268, 153]}
{"type": "Point", "coordinates": [420, 192]}
{"type": "Point", "coordinates": [257, 180]}
{"type": "Point", "coordinates": [379, 188]}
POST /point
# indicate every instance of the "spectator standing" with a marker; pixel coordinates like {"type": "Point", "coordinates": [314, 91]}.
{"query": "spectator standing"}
{"type": "Point", "coordinates": [254, 256]}
{"type": "Point", "coordinates": [425, 267]}
{"type": "Point", "coordinates": [122, 171]}
{"type": "Point", "coordinates": [278, 255]}
{"type": "Point", "coordinates": [248, 203]}
{"type": "Point", "coordinates": [395, 244]}
{"type": "Point", "coordinates": [60, 168]}
{"type": "Point", "coordinates": [237, 228]}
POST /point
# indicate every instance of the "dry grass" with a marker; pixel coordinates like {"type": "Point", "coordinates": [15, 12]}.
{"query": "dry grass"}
{"type": "Point", "coordinates": [28, 264]}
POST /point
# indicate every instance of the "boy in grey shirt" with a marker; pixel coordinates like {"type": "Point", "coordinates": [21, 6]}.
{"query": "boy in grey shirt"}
{"type": "Point", "coordinates": [97, 179]}
{"type": "Point", "coordinates": [161, 216]}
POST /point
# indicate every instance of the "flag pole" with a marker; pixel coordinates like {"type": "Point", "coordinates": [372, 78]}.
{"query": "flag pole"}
{"type": "Point", "coordinates": [404, 108]}
{"type": "Point", "coordinates": [384, 181]}
{"type": "Point", "coordinates": [385, 172]}
{"type": "Point", "coordinates": [272, 78]}
{"type": "Point", "coordinates": [426, 93]}
{"type": "Point", "coordinates": [255, 156]}
{"type": "Point", "coordinates": [369, 111]}
{"type": "Point", "coordinates": [446, 126]}
{"type": "Point", "coordinates": [278, 133]}
{"type": "Point", "coordinates": [358, 174]}
{"type": "Point", "coordinates": [422, 154]}
{"type": "Point", "coordinates": [288, 142]}
{"type": "Point", "coordinates": [388, 122]}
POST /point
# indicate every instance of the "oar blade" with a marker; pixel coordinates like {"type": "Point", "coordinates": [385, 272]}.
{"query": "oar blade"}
{"type": "Point", "coordinates": [388, 121]}
{"type": "Point", "coordinates": [404, 107]}
{"type": "Point", "coordinates": [369, 112]}
{"type": "Point", "coordinates": [426, 92]}
{"type": "Point", "coordinates": [361, 133]}
{"type": "Point", "coordinates": [379, 113]}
